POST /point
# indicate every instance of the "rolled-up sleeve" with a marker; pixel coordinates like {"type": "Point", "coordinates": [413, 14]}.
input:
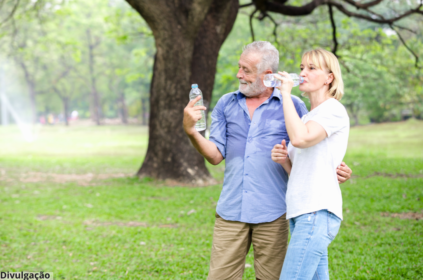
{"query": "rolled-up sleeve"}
{"type": "Point", "coordinates": [218, 127]}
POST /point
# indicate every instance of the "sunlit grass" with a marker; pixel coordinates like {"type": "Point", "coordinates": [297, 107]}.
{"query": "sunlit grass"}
{"type": "Point", "coordinates": [92, 227]}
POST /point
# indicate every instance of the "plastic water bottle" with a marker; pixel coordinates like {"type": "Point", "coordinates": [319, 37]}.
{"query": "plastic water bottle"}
{"type": "Point", "coordinates": [195, 91]}
{"type": "Point", "coordinates": [270, 80]}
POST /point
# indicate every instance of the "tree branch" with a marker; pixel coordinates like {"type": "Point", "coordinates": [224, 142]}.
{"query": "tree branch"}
{"type": "Point", "coordinates": [283, 9]}
{"type": "Point", "coordinates": [251, 24]}
{"type": "Point", "coordinates": [407, 47]}
{"type": "Point", "coordinates": [274, 29]}
{"type": "Point", "coordinates": [405, 28]}
{"type": "Point", "coordinates": [332, 21]}
{"type": "Point", "coordinates": [359, 5]}
{"type": "Point", "coordinates": [11, 13]}
{"type": "Point", "coordinates": [342, 9]}
{"type": "Point", "coordinates": [278, 6]}
{"type": "Point", "coordinates": [246, 5]}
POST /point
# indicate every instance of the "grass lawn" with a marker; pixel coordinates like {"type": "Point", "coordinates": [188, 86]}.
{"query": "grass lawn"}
{"type": "Point", "coordinates": [69, 204]}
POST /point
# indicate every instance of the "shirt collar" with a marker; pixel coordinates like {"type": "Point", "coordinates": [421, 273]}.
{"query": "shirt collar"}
{"type": "Point", "coordinates": [276, 93]}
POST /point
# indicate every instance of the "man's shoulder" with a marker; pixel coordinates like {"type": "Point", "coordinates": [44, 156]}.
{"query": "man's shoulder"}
{"type": "Point", "coordinates": [224, 99]}
{"type": "Point", "coordinates": [296, 100]}
{"type": "Point", "coordinates": [228, 95]}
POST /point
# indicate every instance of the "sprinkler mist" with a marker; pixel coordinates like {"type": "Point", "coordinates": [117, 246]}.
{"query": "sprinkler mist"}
{"type": "Point", "coordinates": [14, 107]}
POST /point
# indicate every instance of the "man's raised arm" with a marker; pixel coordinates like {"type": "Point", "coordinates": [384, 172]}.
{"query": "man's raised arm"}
{"type": "Point", "coordinates": [205, 147]}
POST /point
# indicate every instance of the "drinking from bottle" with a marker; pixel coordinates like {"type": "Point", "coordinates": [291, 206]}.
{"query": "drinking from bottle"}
{"type": "Point", "coordinates": [270, 80]}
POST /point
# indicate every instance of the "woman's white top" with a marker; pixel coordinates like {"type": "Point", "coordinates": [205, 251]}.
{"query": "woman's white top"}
{"type": "Point", "coordinates": [313, 183]}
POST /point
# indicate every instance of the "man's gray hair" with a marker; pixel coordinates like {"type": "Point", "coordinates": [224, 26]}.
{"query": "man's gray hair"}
{"type": "Point", "coordinates": [269, 55]}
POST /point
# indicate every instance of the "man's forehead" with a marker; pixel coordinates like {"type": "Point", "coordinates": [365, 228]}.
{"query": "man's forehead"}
{"type": "Point", "coordinates": [249, 58]}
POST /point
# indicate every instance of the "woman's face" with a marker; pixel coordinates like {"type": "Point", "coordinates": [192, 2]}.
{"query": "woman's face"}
{"type": "Point", "coordinates": [314, 78]}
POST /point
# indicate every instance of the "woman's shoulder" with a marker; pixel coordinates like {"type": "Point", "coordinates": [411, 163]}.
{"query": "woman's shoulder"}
{"type": "Point", "coordinates": [336, 106]}
{"type": "Point", "coordinates": [331, 109]}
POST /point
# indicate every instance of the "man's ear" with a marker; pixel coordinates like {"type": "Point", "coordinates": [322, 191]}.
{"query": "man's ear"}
{"type": "Point", "coordinates": [268, 71]}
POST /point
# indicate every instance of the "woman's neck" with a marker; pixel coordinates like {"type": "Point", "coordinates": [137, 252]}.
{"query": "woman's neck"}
{"type": "Point", "coordinates": [317, 98]}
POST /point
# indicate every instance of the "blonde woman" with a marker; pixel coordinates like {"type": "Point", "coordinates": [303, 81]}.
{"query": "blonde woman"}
{"type": "Point", "coordinates": [318, 144]}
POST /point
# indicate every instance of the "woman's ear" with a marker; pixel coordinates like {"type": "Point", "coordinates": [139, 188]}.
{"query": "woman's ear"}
{"type": "Point", "coordinates": [330, 79]}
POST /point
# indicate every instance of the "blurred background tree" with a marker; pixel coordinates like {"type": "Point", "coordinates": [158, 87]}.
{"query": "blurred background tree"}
{"type": "Point", "coordinates": [93, 57]}
{"type": "Point", "coordinates": [97, 58]}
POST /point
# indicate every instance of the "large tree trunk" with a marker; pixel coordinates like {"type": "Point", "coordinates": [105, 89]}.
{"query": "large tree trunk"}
{"type": "Point", "coordinates": [188, 36]}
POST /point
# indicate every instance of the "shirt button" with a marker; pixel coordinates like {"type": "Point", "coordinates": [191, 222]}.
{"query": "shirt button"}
{"type": "Point", "coordinates": [245, 191]}
{"type": "Point", "coordinates": [248, 156]}
{"type": "Point", "coordinates": [246, 174]}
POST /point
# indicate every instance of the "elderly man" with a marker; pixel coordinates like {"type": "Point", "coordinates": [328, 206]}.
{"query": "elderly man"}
{"type": "Point", "coordinates": [246, 124]}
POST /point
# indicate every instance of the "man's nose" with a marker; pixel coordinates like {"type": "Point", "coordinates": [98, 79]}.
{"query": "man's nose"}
{"type": "Point", "coordinates": [240, 74]}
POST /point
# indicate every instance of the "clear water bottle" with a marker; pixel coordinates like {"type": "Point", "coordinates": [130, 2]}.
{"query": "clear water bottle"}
{"type": "Point", "coordinates": [270, 80]}
{"type": "Point", "coordinates": [195, 91]}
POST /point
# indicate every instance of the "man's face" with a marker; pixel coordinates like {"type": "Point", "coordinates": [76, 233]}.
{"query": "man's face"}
{"type": "Point", "coordinates": [250, 82]}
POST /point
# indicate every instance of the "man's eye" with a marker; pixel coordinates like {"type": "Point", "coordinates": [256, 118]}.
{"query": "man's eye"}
{"type": "Point", "coordinates": [301, 69]}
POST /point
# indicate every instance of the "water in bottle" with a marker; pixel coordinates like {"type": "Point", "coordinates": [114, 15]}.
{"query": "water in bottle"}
{"type": "Point", "coordinates": [270, 80]}
{"type": "Point", "coordinates": [195, 91]}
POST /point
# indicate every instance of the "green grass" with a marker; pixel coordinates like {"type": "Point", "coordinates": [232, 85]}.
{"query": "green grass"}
{"type": "Point", "coordinates": [54, 217]}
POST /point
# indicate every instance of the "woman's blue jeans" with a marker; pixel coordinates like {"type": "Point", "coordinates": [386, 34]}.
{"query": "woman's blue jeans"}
{"type": "Point", "coordinates": [307, 255]}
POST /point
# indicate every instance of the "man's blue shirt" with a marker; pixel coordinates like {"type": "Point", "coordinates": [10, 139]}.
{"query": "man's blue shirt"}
{"type": "Point", "coordinates": [254, 186]}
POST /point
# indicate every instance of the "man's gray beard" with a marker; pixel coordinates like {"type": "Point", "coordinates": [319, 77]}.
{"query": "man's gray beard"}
{"type": "Point", "coordinates": [253, 89]}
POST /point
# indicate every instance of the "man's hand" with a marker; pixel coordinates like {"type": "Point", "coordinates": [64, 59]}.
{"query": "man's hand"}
{"type": "Point", "coordinates": [343, 172]}
{"type": "Point", "coordinates": [280, 153]}
{"type": "Point", "coordinates": [192, 115]}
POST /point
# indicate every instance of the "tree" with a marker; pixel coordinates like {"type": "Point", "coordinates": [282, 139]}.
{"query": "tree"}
{"type": "Point", "coordinates": [188, 36]}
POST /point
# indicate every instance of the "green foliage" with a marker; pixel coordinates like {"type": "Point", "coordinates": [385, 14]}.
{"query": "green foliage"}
{"type": "Point", "coordinates": [54, 47]}
{"type": "Point", "coordinates": [381, 83]}
{"type": "Point", "coordinates": [380, 79]}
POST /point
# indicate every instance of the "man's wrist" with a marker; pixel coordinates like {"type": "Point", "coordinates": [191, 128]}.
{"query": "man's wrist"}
{"type": "Point", "coordinates": [191, 131]}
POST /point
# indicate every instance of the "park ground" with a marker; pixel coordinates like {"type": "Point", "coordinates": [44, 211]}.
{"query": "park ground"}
{"type": "Point", "coordinates": [70, 204]}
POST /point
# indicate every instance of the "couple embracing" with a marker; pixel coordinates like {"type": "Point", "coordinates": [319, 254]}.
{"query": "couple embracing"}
{"type": "Point", "coordinates": [265, 136]}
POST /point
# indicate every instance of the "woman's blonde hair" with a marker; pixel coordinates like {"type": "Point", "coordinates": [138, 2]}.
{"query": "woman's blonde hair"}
{"type": "Point", "coordinates": [326, 60]}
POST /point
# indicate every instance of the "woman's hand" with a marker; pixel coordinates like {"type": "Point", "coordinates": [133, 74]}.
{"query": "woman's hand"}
{"type": "Point", "coordinates": [280, 153]}
{"type": "Point", "coordinates": [286, 83]}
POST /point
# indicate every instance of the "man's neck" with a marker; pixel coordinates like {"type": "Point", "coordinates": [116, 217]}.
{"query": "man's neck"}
{"type": "Point", "coordinates": [261, 97]}
{"type": "Point", "coordinates": [254, 102]}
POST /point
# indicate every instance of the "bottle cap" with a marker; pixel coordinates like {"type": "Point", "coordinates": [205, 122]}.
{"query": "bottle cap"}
{"type": "Point", "coordinates": [194, 86]}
